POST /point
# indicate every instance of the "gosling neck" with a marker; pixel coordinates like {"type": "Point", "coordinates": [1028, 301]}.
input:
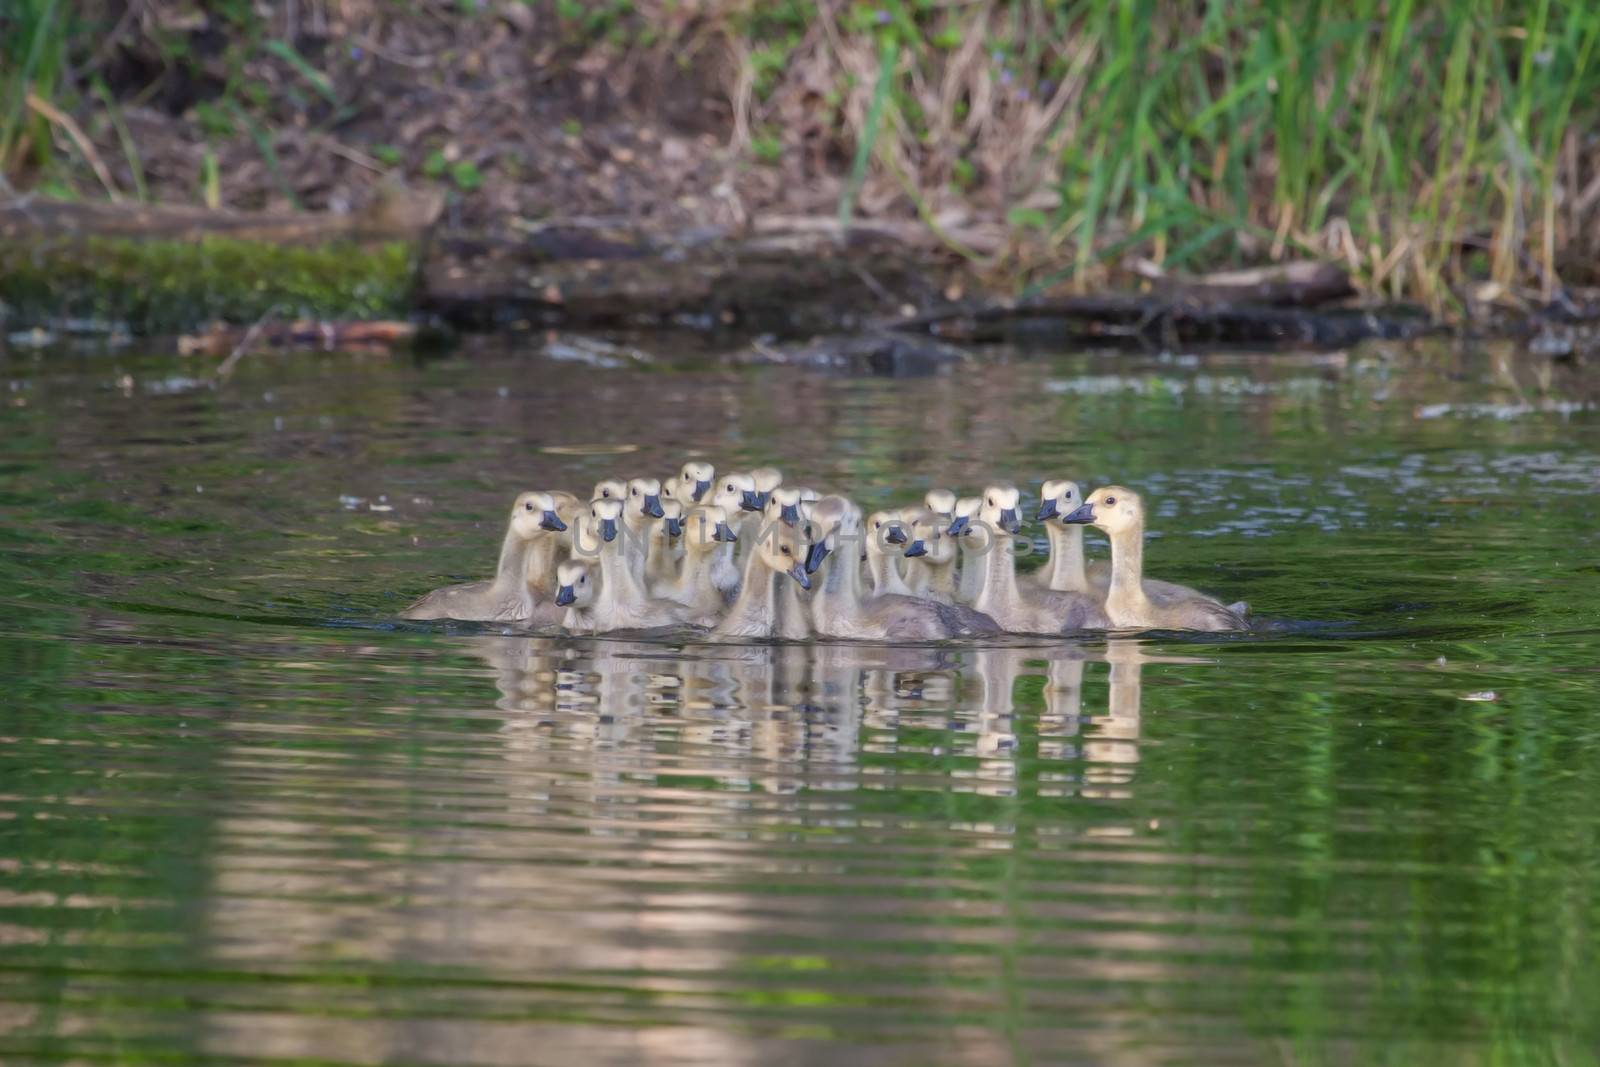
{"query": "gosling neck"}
{"type": "Point", "coordinates": [941, 578]}
{"type": "Point", "coordinates": [621, 590]}
{"type": "Point", "coordinates": [1065, 570]}
{"type": "Point", "coordinates": [541, 564]}
{"type": "Point", "coordinates": [972, 572]}
{"type": "Point", "coordinates": [1125, 595]}
{"type": "Point", "coordinates": [512, 569]}
{"type": "Point", "coordinates": [885, 575]}
{"type": "Point", "coordinates": [755, 612]}
{"type": "Point", "coordinates": [999, 589]}
{"type": "Point", "coordinates": [840, 593]}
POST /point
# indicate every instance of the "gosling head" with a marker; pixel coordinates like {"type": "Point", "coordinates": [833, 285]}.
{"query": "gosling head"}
{"type": "Point", "coordinates": [610, 489]}
{"type": "Point", "coordinates": [783, 505]}
{"type": "Point", "coordinates": [962, 514]}
{"type": "Point", "coordinates": [707, 527]}
{"type": "Point", "coordinates": [1112, 508]}
{"type": "Point", "coordinates": [695, 480]}
{"type": "Point", "coordinates": [832, 519]}
{"type": "Point", "coordinates": [927, 537]}
{"type": "Point", "coordinates": [1000, 505]}
{"type": "Point", "coordinates": [644, 500]}
{"type": "Point", "coordinates": [535, 513]}
{"type": "Point", "coordinates": [767, 479]}
{"type": "Point", "coordinates": [604, 515]}
{"type": "Point", "coordinates": [671, 524]}
{"type": "Point", "coordinates": [942, 502]}
{"type": "Point", "coordinates": [737, 492]}
{"type": "Point", "coordinates": [781, 548]}
{"type": "Point", "coordinates": [885, 532]}
{"type": "Point", "coordinates": [1058, 497]}
{"type": "Point", "coordinates": [574, 584]}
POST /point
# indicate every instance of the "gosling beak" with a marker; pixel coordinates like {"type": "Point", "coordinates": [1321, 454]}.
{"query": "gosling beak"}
{"type": "Point", "coordinates": [1047, 510]}
{"type": "Point", "coordinates": [917, 548]}
{"type": "Point", "coordinates": [789, 513]}
{"type": "Point", "coordinates": [1084, 514]}
{"type": "Point", "coordinates": [552, 521]}
{"type": "Point", "coordinates": [959, 525]}
{"type": "Point", "coordinates": [761, 501]}
{"type": "Point", "coordinates": [565, 595]}
{"type": "Point", "coordinates": [815, 555]}
{"type": "Point", "coordinates": [750, 500]}
{"type": "Point", "coordinates": [652, 506]}
{"type": "Point", "coordinates": [699, 491]}
{"type": "Point", "coordinates": [798, 573]}
{"type": "Point", "coordinates": [674, 527]}
{"type": "Point", "coordinates": [608, 529]}
{"type": "Point", "coordinates": [1008, 520]}
{"type": "Point", "coordinates": [895, 536]}
{"type": "Point", "coordinates": [724, 533]}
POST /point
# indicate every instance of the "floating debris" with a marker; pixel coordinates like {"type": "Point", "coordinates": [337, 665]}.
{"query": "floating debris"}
{"type": "Point", "coordinates": [594, 352]}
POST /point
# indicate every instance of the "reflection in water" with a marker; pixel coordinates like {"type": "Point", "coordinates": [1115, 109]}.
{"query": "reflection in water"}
{"type": "Point", "coordinates": [626, 829]}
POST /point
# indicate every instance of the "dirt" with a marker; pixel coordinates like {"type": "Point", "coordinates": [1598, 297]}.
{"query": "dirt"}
{"type": "Point", "coordinates": [512, 125]}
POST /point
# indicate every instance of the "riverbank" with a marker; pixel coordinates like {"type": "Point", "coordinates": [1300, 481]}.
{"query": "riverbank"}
{"type": "Point", "coordinates": [1048, 148]}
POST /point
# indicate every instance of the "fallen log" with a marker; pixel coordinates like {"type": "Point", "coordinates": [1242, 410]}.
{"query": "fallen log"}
{"type": "Point", "coordinates": [790, 282]}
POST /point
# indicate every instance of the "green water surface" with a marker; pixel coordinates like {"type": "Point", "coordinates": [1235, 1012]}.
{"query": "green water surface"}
{"type": "Point", "coordinates": [245, 817]}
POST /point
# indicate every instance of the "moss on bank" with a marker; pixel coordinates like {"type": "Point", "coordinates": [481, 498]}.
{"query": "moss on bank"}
{"type": "Point", "coordinates": [161, 286]}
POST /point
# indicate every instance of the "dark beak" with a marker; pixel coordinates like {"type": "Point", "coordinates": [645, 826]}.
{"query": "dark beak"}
{"type": "Point", "coordinates": [1047, 510]}
{"type": "Point", "coordinates": [761, 501]}
{"type": "Point", "coordinates": [1085, 513]}
{"type": "Point", "coordinates": [895, 536]}
{"type": "Point", "coordinates": [789, 513]}
{"type": "Point", "coordinates": [565, 596]}
{"type": "Point", "coordinates": [608, 529]}
{"type": "Point", "coordinates": [1008, 520]}
{"type": "Point", "coordinates": [752, 501]}
{"type": "Point", "coordinates": [798, 573]}
{"type": "Point", "coordinates": [958, 525]}
{"type": "Point", "coordinates": [724, 533]}
{"type": "Point", "coordinates": [552, 521]}
{"type": "Point", "coordinates": [699, 491]}
{"type": "Point", "coordinates": [674, 527]}
{"type": "Point", "coordinates": [917, 548]}
{"type": "Point", "coordinates": [815, 555]}
{"type": "Point", "coordinates": [652, 506]}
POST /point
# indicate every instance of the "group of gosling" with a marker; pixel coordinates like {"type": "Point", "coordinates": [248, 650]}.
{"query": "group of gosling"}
{"type": "Point", "coordinates": [747, 556]}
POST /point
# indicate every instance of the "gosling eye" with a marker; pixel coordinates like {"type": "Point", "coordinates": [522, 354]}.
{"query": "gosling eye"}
{"type": "Point", "coordinates": [583, 581]}
{"type": "Point", "coordinates": [528, 506]}
{"type": "Point", "coordinates": [784, 550]}
{"type": "Point", "coordinates": [991, 502]}
{"type": "Point", "coordinates": [1110, 500]}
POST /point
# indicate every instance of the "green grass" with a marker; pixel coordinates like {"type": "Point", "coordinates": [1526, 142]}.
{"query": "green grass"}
{"type": "Point", "coordinates": [1403, 138]}
{"type": "Point", "coordinates": [33, 48]}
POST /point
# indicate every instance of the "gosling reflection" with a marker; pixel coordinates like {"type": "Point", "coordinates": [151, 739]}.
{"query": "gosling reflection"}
{"type": "Point", "coordinates": [782, 719]}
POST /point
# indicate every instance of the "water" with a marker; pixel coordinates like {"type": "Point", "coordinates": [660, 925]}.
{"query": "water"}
{"type": "Point", "coordinates": [246, 818]}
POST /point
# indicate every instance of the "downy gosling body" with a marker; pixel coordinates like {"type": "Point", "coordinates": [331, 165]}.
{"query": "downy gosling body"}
{"type": "Point", "coordinates": [507, 597]}
{"type": "Point", "coordinates": [1128, 606]}
{"type": "Point", "coordinates": [778, 552]}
